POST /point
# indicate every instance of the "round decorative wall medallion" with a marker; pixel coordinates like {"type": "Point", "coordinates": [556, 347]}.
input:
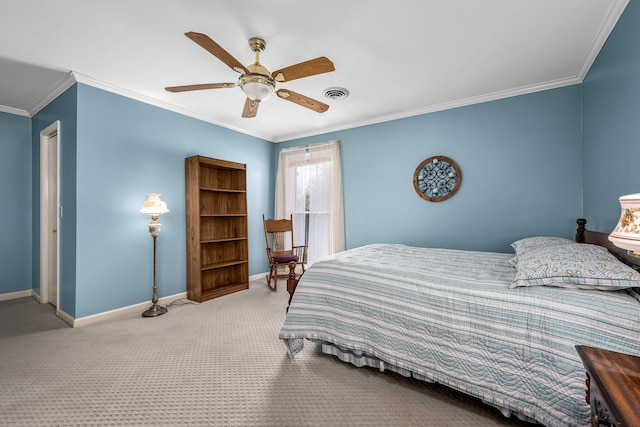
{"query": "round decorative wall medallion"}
{"type": "Point", "coordinates": [437, 178]}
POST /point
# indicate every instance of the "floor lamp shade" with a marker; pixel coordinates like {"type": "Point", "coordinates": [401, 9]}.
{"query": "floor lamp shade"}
{"type": "Point", "coordinates": [153, 205]}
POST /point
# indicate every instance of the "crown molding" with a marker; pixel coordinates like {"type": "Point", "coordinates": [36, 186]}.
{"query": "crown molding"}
{"type": "Point", "coordinates": [617, 8]}
{"type": "Point", "coordinates": [81, 78]}
{"type": "Point", "coordinates": [74, 77]}
{"type": "Point", "coordinates": [524, 90]}
{"type": "Point", "coordinates": [15, 111]}
{"type": "Point", "coordinates": [57, 90]}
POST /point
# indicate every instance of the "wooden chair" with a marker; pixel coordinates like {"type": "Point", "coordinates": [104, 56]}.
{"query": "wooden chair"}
{"type": "Point", "coordinates": [280, 250]}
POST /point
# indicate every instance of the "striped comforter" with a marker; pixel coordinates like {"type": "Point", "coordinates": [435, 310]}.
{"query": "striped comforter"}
{"type": "Point", "coordinates": [449, 316]}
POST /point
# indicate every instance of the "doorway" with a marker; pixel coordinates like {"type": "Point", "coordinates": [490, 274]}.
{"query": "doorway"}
{"type": "Point", "coordinates": [50, 213]}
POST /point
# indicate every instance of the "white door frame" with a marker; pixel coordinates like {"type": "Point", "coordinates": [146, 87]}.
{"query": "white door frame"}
{"type": "Point", "coordinates": [46, 222]}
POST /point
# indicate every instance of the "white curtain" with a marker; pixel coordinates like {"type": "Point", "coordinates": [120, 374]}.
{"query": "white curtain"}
{"type": "Point", "coordinates": [309, 187]}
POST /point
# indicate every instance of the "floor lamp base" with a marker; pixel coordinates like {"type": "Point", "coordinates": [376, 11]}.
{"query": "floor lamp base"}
{"type": "Point", "coordinates": [154, 310]}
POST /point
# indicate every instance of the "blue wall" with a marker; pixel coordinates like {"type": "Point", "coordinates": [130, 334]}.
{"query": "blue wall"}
{"type": "Point", "coordinates": [612, 123]}
{"type": "Point", "coordinates": [520, 162]}
{"type": "Point", "coordinates": [15, 195]}
{"type": "Point", "coordinates": [127, 149]}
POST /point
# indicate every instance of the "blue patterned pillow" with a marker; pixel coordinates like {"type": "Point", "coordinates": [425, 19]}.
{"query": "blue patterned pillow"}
{"type": "Point", "coordinates": [528, 244]}
{"type": "Point", "coordinates": [578, 266]}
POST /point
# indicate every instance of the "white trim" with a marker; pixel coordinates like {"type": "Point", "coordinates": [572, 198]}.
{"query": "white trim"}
{"type": "Point", "coordinates": [15, 295]}
{"type": "Point", "coordinates": [57, 90]}
{"type": "Point", "coordinates": [439, 107]}
{"type": "Point", "coordinates": [15, 111]}
{"type": "Point", "coordinates": [135, 308]}
{"type": "Point", "coordinates": [617, 8]}
{"type": "Point", "coordinates": [68, 81]}
{"type": "Point", "coordinates": [119, 312]}
{"type": "Point", "coordinates": [258, 276]}
{"type": "Point", "coordinates": [65, 317]}
{"type": "Point", "coordinates": [45, 135]}
{"type": "Point", "coordinates": [81, 78]}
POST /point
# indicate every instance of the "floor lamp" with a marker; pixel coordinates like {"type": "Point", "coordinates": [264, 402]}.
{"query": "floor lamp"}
{"type": "Point", "coordinates": [154, 207]}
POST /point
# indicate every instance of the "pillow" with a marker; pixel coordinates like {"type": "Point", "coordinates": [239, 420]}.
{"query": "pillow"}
{"type": "Point", "coordinates": [530, 243]}
{"type": "Point", "coordinates": [578, 266]}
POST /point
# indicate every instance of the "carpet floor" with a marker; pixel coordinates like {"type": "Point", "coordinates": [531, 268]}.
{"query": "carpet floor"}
{"type": "Point", "coordinates": [219, 363]}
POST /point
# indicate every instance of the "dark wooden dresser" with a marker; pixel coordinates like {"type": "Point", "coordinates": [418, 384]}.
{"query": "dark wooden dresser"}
{"type": "Point", "coordinates": [613, 386]}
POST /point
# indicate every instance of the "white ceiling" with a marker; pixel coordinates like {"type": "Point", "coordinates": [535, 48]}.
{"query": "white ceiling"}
{"type": "Point", "coordinates": [397, 58]}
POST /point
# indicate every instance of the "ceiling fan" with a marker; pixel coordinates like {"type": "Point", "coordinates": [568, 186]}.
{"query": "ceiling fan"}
{"type": "Point", "coordinates": [255, 80]}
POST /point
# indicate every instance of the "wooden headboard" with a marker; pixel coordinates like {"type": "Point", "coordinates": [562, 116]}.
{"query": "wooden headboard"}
{"type": "Point", "coordinates": [602, 239]}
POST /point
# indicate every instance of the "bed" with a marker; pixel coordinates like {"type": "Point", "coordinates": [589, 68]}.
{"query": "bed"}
{"type": "Point", "coordinates": [501, 327]}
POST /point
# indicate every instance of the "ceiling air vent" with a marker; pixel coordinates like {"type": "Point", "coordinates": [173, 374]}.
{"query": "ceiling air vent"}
{"type": "Point", "coordinates": [335, 93]}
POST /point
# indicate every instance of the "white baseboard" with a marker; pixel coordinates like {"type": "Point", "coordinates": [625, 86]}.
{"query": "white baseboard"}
{"type": "Point", "coordinates": [258, 276]}
{"type": "Point", "coordinates": [15, 295]}
{"type": "Point", "coordinates": [111, 314]}
{"type": "Point", "coordinates": [118, 312]}
{"type": "Point", "coordinates": [35, 295]}
{"type": "Point", "coordinates": [68, 319]}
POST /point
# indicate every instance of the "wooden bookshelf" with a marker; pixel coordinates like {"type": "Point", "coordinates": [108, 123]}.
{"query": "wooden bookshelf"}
{"type": "Point", "coordinates": [217, 243]}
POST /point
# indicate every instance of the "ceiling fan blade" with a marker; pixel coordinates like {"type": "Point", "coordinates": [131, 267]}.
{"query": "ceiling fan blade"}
{"type": "Point", "coordinates": [250, 108]}
{"type": "Point", "coordinates": [216, 50]}
{"type": "Point", "coordinates": [304, 69]}
{"type": "Point", "coordinates": [200, 87]}
{"type": "Point", "coordinates": [305, 101]}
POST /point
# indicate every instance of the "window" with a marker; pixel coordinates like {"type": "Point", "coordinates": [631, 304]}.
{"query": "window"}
{"type": "Point", "coordinates": [309, 187]}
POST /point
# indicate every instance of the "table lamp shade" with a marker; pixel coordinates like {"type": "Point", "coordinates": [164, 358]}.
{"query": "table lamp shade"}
{"type": "Point", "coordinates": [626, 235]}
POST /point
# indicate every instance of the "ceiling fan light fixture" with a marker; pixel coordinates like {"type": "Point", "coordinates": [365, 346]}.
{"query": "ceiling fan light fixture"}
{"type": "Point", "coordinates": [257, 87]}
